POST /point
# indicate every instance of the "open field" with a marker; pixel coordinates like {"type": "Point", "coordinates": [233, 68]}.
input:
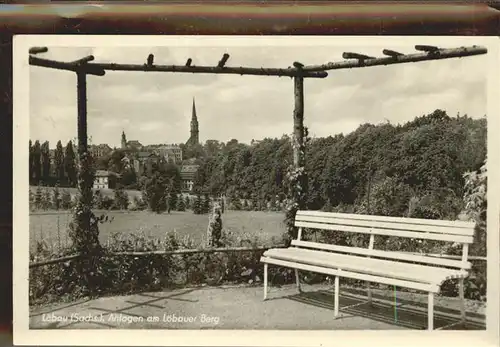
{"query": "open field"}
{"type": "Point", "coordinates": [52, 226]}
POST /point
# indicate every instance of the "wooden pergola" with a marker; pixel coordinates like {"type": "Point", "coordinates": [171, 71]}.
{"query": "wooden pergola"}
{"type": "Point", "coordinates": [298, 72]}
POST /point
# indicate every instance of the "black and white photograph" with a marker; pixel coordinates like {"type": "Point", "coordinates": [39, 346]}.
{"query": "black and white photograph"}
{"type": "Point", "coordinates": [245, 183]}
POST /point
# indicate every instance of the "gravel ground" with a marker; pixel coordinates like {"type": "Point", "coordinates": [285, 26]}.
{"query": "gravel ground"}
{"type": "Point", "coordinates": [242, 307]}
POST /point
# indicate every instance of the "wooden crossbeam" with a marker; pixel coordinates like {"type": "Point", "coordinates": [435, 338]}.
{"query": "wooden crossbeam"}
{"type": "Point", "coordinates": [351, 55]}
{"type": "Point", "coordinates": [150, 60]}
{"type": "Point", "coordinates": [99, 69]}
{"type": "Point", "coordinates": [223, 61]}
{"type": "Point", "coordinates": [83, 60]}
{"type": "Point", "coordinates": [391, 53]}
{"type": "Point", "coordinates": [407, 58]}
{"type": "Point", "coordinates": [426, 48]}
{"type": "Point", "coordinates": [59, 65]}
{"type": "Point", "coordinates": [36, 50]}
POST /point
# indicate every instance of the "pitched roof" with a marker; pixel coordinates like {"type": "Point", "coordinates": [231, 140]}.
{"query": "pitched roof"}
{"type": "Point", "coordinates": [189, 168]}
{"type": "Point", "coordinates": [134, 143]}
{"type": "Point", "coordinates": [105, 173]}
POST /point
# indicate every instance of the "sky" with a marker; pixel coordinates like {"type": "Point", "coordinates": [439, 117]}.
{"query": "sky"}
{"type": "Point", "coordinates": [155, 108]}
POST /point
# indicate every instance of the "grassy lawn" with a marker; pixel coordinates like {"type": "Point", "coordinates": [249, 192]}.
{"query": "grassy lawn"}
{"type": "Point", "coordinates": [52, 226]}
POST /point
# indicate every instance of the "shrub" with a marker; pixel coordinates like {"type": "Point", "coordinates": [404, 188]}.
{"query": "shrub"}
{"type": "Point", "coordinates": [56, 198]}
{"type": "Point", "coordinates": [66, 202]}
{"type": "Point", "coordinates": [127, 273]}
{"type": "Point", "coordinates": [172, 201]}
{"type": "Point", "coordinates": [181, 206]}
{"type": "Point", "coordinates": [121, 199]}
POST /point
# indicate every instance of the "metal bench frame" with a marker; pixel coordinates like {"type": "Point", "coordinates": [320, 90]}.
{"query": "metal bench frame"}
{"type": "Point", "coordinates": [449, 231]}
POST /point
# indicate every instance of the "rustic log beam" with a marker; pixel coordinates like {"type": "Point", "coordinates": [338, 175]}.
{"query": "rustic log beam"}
{"type": "Point", "coordinates": [426, 48]}
{"type": "Point", "coordinates": [150, 60]}
{"type": "Point", "coordinates": [223, 61]}
{"type": "Point", "coordinates": [99, 69]}
{"type": "Point", "coordinates": [83, 60]}
{"type": "Point", "coordinates": [391, 53]}
{"type": "Point", "coordinates": [351, 55]}
{"type": "Point", "coordinates": [409, 58]}
{"type": "Point", "coordinates": [37, 50]}
{"type": "Point", "coordinates": [291, 72]}
{"type": "Point", "coordinates": [59, 65]}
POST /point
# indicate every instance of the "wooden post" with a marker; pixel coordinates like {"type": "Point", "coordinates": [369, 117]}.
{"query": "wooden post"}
{"type": "Point", "coordinates": [84, 229]}
{"type": "Point", "coordinates": [298, 123]}
{"type": "Point", "coordinates": [297, 178]}
{"type": "Point", "coordinates": [299, 149]}
{"type": "Point", "coordinates": [82, 112]}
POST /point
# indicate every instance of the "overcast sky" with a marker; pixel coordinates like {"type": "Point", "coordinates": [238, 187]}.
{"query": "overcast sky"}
{"type": "Point", "coordinates": [156, 107]}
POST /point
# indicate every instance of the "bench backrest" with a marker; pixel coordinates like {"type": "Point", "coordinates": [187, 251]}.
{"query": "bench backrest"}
{"type": "Point", "coordinates": [415, 228]}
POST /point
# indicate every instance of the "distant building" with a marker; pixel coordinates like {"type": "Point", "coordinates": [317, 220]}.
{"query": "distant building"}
{"type": "Point", "coordinates": [170, 153]}
{"type": "Point", "coordinates": [105, 179]}
{"type": "Point", "coordinates": [188, 173]}
{"type": "Point", "coordinates": [101, 150]}
{"type": "Point", "coordinates": [133, 144]}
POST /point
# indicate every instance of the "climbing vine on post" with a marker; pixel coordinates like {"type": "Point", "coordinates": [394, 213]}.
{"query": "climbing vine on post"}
{"type": "Point", "coordinates": [84, 230]}
{"type": "Point", "coordinates": [296, 175]}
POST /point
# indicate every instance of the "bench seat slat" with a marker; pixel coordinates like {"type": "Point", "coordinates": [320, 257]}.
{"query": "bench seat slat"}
{"type": "Point", "coordinates": [436, 222]}
{"type": "Point", "coordinates": [402, 225]}
{"type": "Point", "coordinates": [384, 254]}
{"type": "Point", "coordinates": [386, 232]}
{"type": "Point", "coordinates": [378, 267]}
{"type": "Point", "coordinates": [353, 275]}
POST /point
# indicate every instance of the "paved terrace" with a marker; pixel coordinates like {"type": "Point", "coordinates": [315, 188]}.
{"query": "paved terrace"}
{"type": "Point", "coordinates": [242, 307]}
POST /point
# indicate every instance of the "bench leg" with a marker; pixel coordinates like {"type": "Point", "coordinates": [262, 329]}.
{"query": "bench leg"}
{"type": "Point", "coordinates": [369, 292]}
{"type": "Point", "coordinates": [430, 311]}
{"type": "Point", "coordinates": [297, 279]}
{"type": "Point", "coordinates": [265, 281]}
{"type": "Point", "coordinates": [336, 302]}
{"type": "Point", "coordinates": [462, 300]}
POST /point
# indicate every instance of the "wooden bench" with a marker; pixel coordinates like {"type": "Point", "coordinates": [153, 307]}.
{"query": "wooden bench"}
{"type": "Point", "coordinates": [395, 268]}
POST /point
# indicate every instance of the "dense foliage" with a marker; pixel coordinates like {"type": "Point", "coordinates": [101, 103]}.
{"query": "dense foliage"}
{"type": "Point", "coordinates": [377, 169]}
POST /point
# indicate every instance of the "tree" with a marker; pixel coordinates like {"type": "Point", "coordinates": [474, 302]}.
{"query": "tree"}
{"type": "Point", "coordinates": [31, 168]}
{"type": "Point", "coordinates": [56, 198]}
{"type": "Point", "coordinates": [197, 206]}
{"type": "Point", "coordinates": [172, 201]}
{"type": "Point", "coordinates": [38, 198]}
{"type": "Point", "coordinates": [59, 162]}
{"type": "Point", "coordinates": [155, 189]}
{"type": "Point", "coordinates": [181, 205]}
{"type": "Point", "coordinates": [121, 199]}
{"type": "Point", "coordinates": [237, 203]}
{"type": "Point", "coordinates": [66, 202]}
{"type": "Point", "coordinates": [37, 164]}
{"type": "Point", "coordinates": [98, 199]}
{"type": "Point", "coordinates": [70, 165]}
{"type": "Point", "coordinates": [31, 200]}
{"type": "Point", "coordinates": [45, 154]}
{"type": "Point", "coordinates": [206, 204]}
{"type": "Point", "coordinates": [46, 199]}
{"type": "Point", "coordinates": [187, 202]}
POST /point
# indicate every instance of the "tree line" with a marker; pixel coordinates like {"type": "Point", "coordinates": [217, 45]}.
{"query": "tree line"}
{"type": "Point", "coordinates": [62, 170]}
{"type": "Point", "coordinates": [414, 168]}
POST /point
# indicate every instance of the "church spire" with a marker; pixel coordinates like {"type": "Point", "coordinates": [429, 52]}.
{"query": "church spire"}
{"type": "Point", "coordinates": [194, 139]}
{"type": "Point", "coordinates": [124, 140]}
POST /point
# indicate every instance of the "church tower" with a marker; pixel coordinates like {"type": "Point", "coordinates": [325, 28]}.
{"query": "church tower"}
{"type": "Point", "coordinates": [124, 140]}
{"type": "Point", "coordinates": [195, 133]}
